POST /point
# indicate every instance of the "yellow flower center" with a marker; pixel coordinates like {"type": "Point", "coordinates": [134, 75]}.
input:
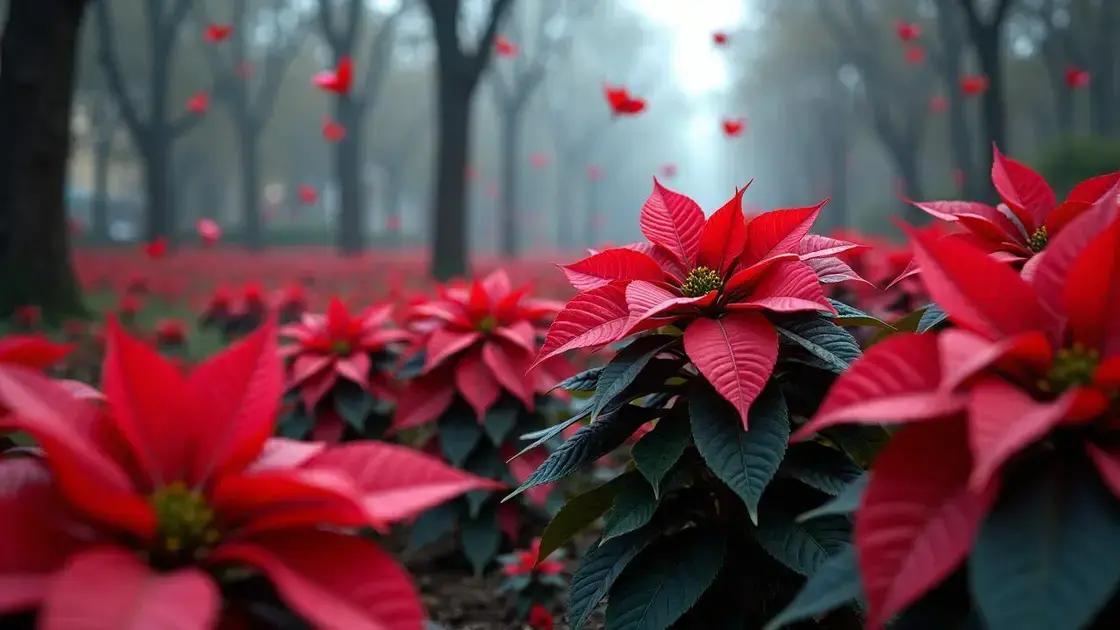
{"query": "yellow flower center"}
{"type": "Point", "coordinates": [700, 281]}
{"type": "Point", "coordinates": [1072, 367]}
{"type": "Point", "coordinates": [1037, 241]}
{"type": "Point", "coordinates": [341, 347]}
{"type": "Point", "coordinates": [185, 524]}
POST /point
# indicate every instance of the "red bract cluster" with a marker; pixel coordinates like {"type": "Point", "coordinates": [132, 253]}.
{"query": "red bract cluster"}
{"type": "Point", "coordinates": [717, 278]}
{"type": "Point", "coordinates": [529, 561]}
{"type": "Point", "coordinates": [1030, 215]}
{"type": "Point", "coordinates": [475, 340]}
{"type": "Point", "coordinates": [132, 512]}
{"type": "Point", "coordinates": [1031, 367]}
{"type": "Point", "coordinates": [338, 345]}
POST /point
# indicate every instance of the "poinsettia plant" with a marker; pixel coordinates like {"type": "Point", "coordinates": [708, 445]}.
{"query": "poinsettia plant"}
{"type": "Point", "coordinates": [340, 372]}
{"type": "Point", "coordinates": [728, 338]}
{"type": "Point", "coordinates": [999, 498]}
{"type": "Point", "coordinates": [1029, 216]}
{"type": "Point", "coordinates": [467, 371]}
{"type": "Point", "coordinates": [535, 582]}
{"type": "Point", "coordinates": [172, 506]}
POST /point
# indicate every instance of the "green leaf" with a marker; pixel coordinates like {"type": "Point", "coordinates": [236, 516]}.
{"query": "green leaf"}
{"type": "Point", "coordinates": [847, 502]}
{"type": "Point", "coordinates": [931, 318]}
{"type": "Point", "coordinates": [458, 434]}
{"type": "Point", "coordinates": [577, 514]}
{"type": "Point", "coordinates": [619, 374]}
{"type": "Point", "coordinates": [480, 537]}
{"type": "Point", "coordinates": [802, 546]}
{"type": "Point", "coordinates": [820, 467]}
{"type": "Point", "coordinates": [598, 571]}
{"type": "Point", "coordinates": [587, 445]}
{"type": "Point", "coordinates": [352, 404]}
{"type": "Point", "coordinates": [744, 460]}
{"type": "Point", "coordinates": [1048, 554]}
{"type": "Point", "coordinates": [634, 505]}
{"type": "Point", "coordinates": [585, 381]}
{"type": "Point", "coordinates": [834, 584]}
{"type": "Point", "coordinates": [848, 315]}
{"type": "Point", "coordinates": [296, 424]}
{"type": "Point", "coordinates": [657, 451]}
{"type": "Point", "coordinates": [500, 420]}
{"type": "Point", "coordinates": [433, 524]}
{"type": "Point", "coordinates": [665, 581]}
{"type": "Point", "coordinates": [544, 435]}
{"type": "Point", "coordinates": [862, 443]}
{"type": "Point", "coordinates": [908, 322]}
{"type": "Point", "coordinates": [829, 346]}
{"type": "Point", "coordinates": [484, 461]}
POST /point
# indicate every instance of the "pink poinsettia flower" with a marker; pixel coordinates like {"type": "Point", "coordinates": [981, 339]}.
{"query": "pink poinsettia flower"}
{"type": "Point", "coordinates": [718, 278]}
{"type": "Point", "coordinates": [477, 341]}
{"type": "Point", "coordinates": [1030, 215]}
{"type": "Point", "coordinates": [1026, 360]}
{"type": "Point", "coordinates": [134, 511]}
{"type": "Point", "coordinates": [337, 345]}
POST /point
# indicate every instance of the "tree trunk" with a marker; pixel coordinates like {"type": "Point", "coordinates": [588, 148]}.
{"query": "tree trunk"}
{"type": "Point", "coordinates": [36, 86]}
{"type": "Point", "coordinates": [348, 169]}
{"type": "Point", "coordinates": [591, 218]}
{"type": "Point", "coordinates": [393, 187]}
{"type": "Point", "coordinates": [565, 221]}
{"type": "Point", "coordinates": [449, 212]}
{"type": "Point", "coordinates": [249, 149]}
{"type": "Point", "coordinates": [1102, 90]}
{"type": "Point", "coordinates": [102, 154]}
{"type": "Point", "coordinates": [160, 211]}
{"type": "Point", "coordinates": [510, 226]}
{"type": "Point", "coordinates": [995, 107]}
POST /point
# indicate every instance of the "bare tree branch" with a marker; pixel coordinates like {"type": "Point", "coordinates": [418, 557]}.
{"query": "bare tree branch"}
{"type": "Point", "coordinates": [110, 65]}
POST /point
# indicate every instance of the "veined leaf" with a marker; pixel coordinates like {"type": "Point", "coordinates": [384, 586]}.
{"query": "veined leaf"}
{"type": "Point", "coordinates": [802, 546]}
{"type": "Point", "coordinates": [659, 449]}
{"type": "Point", "coordinates": [458, 434]}
{"type": "Point", "coordinates": [626, 366]}
{"type": "Point", "coordinates": [847, 502]}
{"type": "Point", "coordinates": [829, 346]}
{"type": "Point", "coordinates": [745, 460]}
{"type": "Point", "coordinates": [588, 444]}
{"type": "Point", "coordinates": [665, 581]}
{"type": "Point", "coordinates": [598, 571]}
{"type": "Point", "coordinates": [835, 583]}
{"type": "Point", "coordinates": [585, 381]}
{"type": "Point", "coordinates": [633, 507]}
{"type": "Point", "coordinates": [932, 317]}
{"type": "Point", "coordinates": [848, 315]}
{"type": "Point", "coordinates": [1047, 555]}
{"type": "Point", "coordinates": [577, 514]}
{"type": "Point", "coordinates": [820, 467]}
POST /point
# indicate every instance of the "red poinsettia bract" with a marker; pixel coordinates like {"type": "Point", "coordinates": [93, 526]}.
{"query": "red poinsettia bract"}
{"type": "Point", "coordinates": [1030, 215]}
{"type": "Point", "coordinates": [477, 340]}
{"type": "Point", "coordinates": [132, 510]}
{"type": "Point", "coordinates": [621, 102]}
{"type": "Point", "coordinates": [1026, 359]}
{"type": "Point", "coordinates": [716, 277]}
{"type": "Point", "coordinates": [338, 345]}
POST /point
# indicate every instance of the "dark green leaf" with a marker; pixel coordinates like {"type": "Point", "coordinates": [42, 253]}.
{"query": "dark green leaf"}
{"type": "Point", "coordinates": [352, 404]}
{"type": "Point", "coordinates": [834, 584]}
{"type": "Point", "coordinates": [634, 505]}
{"type": "Point", "coordinates": [577, 514]}
{"type": "Point", "coordinates": [597, 572]}
{"type": "Point", "coordinates": [820, 467]}
{"type": "Point", "coordinates": [585, 381]}
{"type": "Point", "coordinates": [802, 546]}
{"type": "Point", "coordinates": [544, 435]}
{"type": "Point", "coordinates": [829, 346]}
{"type": "Point", "coordinates": [847, 502]}
{"type": "Point", "coordinates": [665, 581]}
{"type": "Point", "coordinates": [433, 524]}
{"type": "Point", "coordinates": [500, 420]}
{"type": "Point", "coordinates": [744, 460]}
{"type": "Point", "coordinates": [848, 315]}
{"type": "Point", "coordinates": [931, 318]}
{"type": "Point", "coordinates": [458, 434]}
{"type": "Point", "coordinates": [413, 366]}
{"type": "Point", "coordinates": [861, 442]}
{"type": "Point", "coordinates": [588, 444]}
{"type": "Point", "coordinates": [480, 537]}
{"type": "Point", "coordinates": [296, 424]}
{"type": "Point", "coordinates": [484, 461]}
{"type": "Point", "coordinates": [659, 449]}
{"type": "Point", "coordinates": [1048, 554]}
{"type": "Point", "coordinates": [619, 374]}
